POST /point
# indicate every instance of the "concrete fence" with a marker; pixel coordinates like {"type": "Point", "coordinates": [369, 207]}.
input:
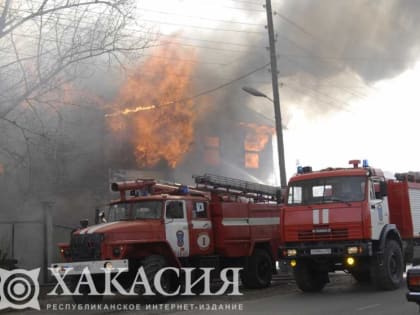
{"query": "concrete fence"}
{"type": "Point", "coordinates": [34, 242]}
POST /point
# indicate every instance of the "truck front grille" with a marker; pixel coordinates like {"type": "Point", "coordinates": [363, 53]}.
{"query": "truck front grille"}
{"type": "Point", "coordinates": [86, 247]}
{"type": "Point", "coordinates": [330, 234]}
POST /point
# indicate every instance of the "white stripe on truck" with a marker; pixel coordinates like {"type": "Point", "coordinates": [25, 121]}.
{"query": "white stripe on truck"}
{"type": "Point", "coordinates": [201, 224]}
{"type": "Point", "coordinates": [250, 221]}
{"type": "Point", "coordinates": [315, 216]}
{"type": "Point", "coordinates": [94, 228]}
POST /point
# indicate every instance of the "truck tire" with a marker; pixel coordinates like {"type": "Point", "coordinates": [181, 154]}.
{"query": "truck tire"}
{"type": "Point", "coordinates": [85, 298]}
{"type": "Point", "coordinates": [152, 264]}
{"type": "Point", "coordinates": [257, 272]}
{"type": "Point", "coordinates": [388, 273]}
{"type": "Point", "coordinates": [309, 280]}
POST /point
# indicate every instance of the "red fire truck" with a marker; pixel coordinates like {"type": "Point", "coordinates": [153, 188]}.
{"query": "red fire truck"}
{"type": "Point", "coordinates": [351, 219]}
{"type": "Point", "coordinates": [219, 223]}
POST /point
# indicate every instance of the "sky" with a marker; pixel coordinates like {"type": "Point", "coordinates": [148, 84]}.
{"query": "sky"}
{"type": "Point", "coordinates": [348, 90]}
{"type": "Point", "coordinates": [381, 128]}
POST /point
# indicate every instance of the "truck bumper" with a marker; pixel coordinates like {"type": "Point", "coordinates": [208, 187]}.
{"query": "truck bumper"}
{"type": "Point", "coordinates": [326, 249]}
{"type": "Point", "coordinates": [413, 297]}
{"type": "Point", "coordinates": [94, 267]}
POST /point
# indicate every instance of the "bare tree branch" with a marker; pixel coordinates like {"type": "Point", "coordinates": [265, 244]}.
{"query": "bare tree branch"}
{"type": "Point", "coordinates": [45, 46]}
{"type": "Point", "coordinates": [4, 15]}
{"type": "Point", "coordinates": [10, 26]}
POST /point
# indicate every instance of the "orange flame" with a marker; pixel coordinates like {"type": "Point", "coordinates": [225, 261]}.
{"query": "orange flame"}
{"type": "Point", "coordinates": [252, 160]}
{"type": "Point", "coordinates": [155, 108]}
{"type": "Point", "coordinates": [256, 139]}
{"type": "Point", "coordinates": [257, 136]}
{"type": "Point", "coordinates": [127, 111]}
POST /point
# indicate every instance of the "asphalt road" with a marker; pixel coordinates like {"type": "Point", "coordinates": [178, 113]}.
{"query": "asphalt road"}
{"type": "Point", "coordinates": [342, 296]}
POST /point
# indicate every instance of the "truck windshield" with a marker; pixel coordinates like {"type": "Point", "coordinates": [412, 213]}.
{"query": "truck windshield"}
{"type": "Point", "coordinates": [327, 190]}
{"type": "Point", "coordinates": [150, 209]}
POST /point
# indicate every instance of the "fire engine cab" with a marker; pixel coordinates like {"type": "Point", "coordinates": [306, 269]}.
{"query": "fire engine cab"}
{"type": "Point", "coordinates": [219, 223]}
{"type": "Point", "coordinates": [351, 219]}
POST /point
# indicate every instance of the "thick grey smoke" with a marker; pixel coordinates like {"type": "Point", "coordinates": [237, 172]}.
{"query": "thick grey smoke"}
{"type": "Point", "coordinates": [329, 52]}
{"type": "Point", "coordinates": [375, 39]}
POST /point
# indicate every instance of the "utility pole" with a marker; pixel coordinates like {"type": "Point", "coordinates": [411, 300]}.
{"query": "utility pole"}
{"type": "Point", "coordinates": [276, 96]}
{"type": "Point", "coordinates": [48, 238]}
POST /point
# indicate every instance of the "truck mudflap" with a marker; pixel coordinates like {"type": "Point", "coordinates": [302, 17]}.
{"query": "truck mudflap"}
{"type": "Point", "coordinates": [306, 250]}
{"type": "Point", "coordinates": [95, 267]}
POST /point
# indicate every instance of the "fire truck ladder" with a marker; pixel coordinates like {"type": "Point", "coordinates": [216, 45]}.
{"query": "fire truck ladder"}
{"type": "Point", "coordinates": [248, 189]}
{"type": "Point", "coordinates": [408, 176]}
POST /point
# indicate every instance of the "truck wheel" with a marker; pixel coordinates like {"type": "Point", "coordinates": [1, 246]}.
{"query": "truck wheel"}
{"type": "Point", "coordinates": [388, 273]}
{"type": "Point", "coordinates": [84, 290]}
{"type": "Point", "coordinates": [152, 264]}
{"type": "Point", "coordinates": [361, 276]}
{"type": "Point", "coordinates": [257, 272]}
{"type": "Point", "coordinates": [309, 280]}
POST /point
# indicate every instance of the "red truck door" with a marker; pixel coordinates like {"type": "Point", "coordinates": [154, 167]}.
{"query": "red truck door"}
{"type": "Point", "coordinates": [201, 229]}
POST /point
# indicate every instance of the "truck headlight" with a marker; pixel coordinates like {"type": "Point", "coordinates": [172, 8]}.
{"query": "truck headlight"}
{"type": "Point", "coordinates": [291, 252]}
{"type": "Point", "coordinates": [108, 265]}
{"type": "Point", "coordinates": [56, 269]}
{"type": "Point", "coordinates": [65, 252]}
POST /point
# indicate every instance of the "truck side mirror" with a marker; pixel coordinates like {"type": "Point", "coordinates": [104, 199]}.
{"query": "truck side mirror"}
{"type": "Point", "coordinates": [102, 218]}
{"type": "Point", "coordinates": [99, 216]}
{"type": "Point", "coordinates": [384, 189]}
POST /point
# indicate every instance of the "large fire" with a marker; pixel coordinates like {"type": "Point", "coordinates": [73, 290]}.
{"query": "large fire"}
{"type": "Point", "coordinates": [153, 108]}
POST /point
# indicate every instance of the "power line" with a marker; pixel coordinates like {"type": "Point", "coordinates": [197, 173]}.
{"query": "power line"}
{"type": "Point", "coordinates": [212, 48]}
{"type": "Point", "coordinates": [229, 82]}
{"type": "Point", "coordinates": [202, 18]}
{"type": "Point", "coordinates": [204, 47]}
{"type": "Point", "coordinates": [325, 95]}
{"type": "Point", "coordinates": [294, 43]}
{"type": "Point", "coordinates": [158, 21]}
{"type": "Point", "coordinates": [246, 2]}
{"type": "Point", "coordinates": [148, 47]}
{"type": "Point", "coordinates": [186, 60]}
{"type": "Point", "coordinates": [205, 92]}
{"type": "Point", "coordinates": [212, 41]}
{"type": "Point", "coordinates": [300, 28]}
{"type": "Point", "coordinates": [203, 27]}
{"type": "Point", "coordinates": [148, 55]}
{"type": "Point", "coordinates": [333, 60]}
{"type": "Point", "coordinates": [356, 94]}
{"type": "Point", "coordinates": [165, 35]}
{"type": "Point", "coordinates": [173, 42]}
{"type": "Point", "coordinates": [315, 92]}
{"type": "Point", "coordinates": [233, 8]}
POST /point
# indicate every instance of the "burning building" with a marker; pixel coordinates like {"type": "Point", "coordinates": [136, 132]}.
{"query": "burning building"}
{"type": "Point", "coordinates": [156, 126]}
